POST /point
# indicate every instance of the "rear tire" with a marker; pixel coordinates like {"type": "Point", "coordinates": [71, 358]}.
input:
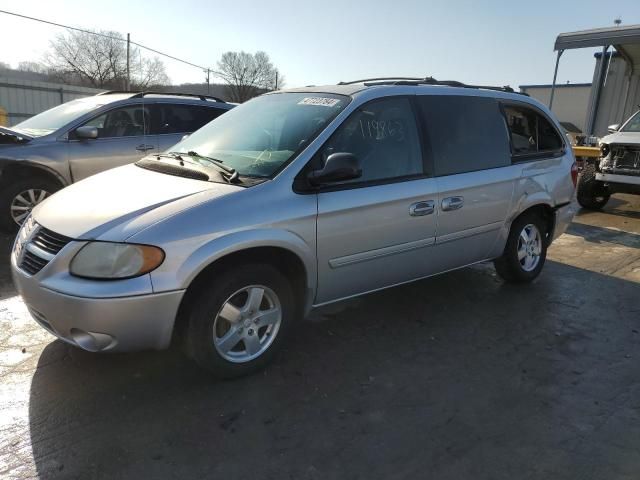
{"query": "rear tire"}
{"type": "Point", "coordinates": [232, 335]}
{"type": "Point", "coordinates": [591, 193]}
{"type": "Point", "coordinates": [15, 199]}
{"type": "Point", "coordinates": [526, 250]}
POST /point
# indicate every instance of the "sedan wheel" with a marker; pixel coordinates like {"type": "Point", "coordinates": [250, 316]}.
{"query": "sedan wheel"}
{"type": "Point", "coordinates": [24, 202]}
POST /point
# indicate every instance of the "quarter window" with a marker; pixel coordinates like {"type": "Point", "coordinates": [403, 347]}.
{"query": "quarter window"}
{"type": "Point", "coordinates": [465, 133]}
{"type": "Point", "coordinates": [531, 133]}
{"type": "Point", "coordinates": [122, 122]}
{"type": "Point", "coordinates": [384, 137]}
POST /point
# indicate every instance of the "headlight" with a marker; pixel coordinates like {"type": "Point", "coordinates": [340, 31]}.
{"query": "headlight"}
{"type": "Point", "coordinates": [604, 150]}
{"type": "Point", "coordinates": [110, 261]}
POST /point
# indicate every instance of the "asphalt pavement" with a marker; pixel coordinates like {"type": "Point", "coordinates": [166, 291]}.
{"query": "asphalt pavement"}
{"type": "Point", "coordinates": [455, 377]}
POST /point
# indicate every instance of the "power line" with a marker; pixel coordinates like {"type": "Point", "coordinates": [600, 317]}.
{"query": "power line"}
{"type": "Point", "coordinates": [206, 69]}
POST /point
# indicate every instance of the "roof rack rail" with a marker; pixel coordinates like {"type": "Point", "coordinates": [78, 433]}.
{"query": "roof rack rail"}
{"type": "Point", "coordinates": [380, 79]}
{"type": "Point", "coordinates": [428, 81]}
{"type": "Point", "coordinates": [171, 94]}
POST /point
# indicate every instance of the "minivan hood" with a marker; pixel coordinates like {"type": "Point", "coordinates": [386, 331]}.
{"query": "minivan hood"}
{"type": "Point", "coordinates": [91, 207]}
{"type": "Point", "coordinates": [11, 137]}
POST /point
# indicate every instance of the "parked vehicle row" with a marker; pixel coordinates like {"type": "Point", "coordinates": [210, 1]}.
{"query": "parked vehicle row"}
{"type": "Point", "coordinates": [83, 137]}
{"type": "Point", "coordinates": [290, 201]}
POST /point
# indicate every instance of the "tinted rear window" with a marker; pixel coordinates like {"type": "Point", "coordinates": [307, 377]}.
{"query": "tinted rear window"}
{"type": "Point", "coordinates": [531, 133]}
{"type": "Point", "coordinates": [182, 118]}
{"type": "Point", "coordinates": [465, 133]}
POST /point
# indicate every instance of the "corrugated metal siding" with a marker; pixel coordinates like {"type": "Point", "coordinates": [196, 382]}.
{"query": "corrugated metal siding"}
{"type": "Point", "coordinates": [24, 98]}
{"type": "Point", "coordinates": [612, 107]}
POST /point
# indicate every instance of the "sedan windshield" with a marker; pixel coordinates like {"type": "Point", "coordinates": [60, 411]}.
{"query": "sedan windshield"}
{"type": "Point", "coordinates": [259, 137]}
{"type": "Point", "coordinates": [57, 117]}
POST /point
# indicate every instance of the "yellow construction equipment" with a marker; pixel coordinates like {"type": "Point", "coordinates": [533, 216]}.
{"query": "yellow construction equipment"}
{"type": "Point", "coordinates": [591, 152]}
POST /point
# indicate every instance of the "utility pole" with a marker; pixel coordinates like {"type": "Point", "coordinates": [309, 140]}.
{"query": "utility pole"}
{"type": "Point", "coordinates": [276, 80]}
{"type": "Point", "coordinates": [128, 69]}
{"type": "Point", "coordinates": [208, 84]}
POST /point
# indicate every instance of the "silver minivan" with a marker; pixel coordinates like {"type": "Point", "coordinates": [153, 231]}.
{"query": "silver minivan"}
{"type": "Point", "coordinates": [293, 200]}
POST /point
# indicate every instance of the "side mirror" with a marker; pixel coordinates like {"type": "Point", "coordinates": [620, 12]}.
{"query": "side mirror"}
{"type": "Point", "coordinates": [338, 168]}
{"type": "Point", "coordinates": [86, 133]}
{"type": "Point", "coordinates": [613, 128]}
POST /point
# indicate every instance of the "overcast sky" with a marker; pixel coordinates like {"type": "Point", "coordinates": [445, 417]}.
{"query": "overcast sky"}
{"type": "Point", "coordinates": [484, 42]}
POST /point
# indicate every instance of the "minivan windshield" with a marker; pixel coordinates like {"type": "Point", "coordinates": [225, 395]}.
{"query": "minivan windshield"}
{"type": "Point", "coordinates": [257, 138]}
{"type": "Point", "coordinates": [57, 117]}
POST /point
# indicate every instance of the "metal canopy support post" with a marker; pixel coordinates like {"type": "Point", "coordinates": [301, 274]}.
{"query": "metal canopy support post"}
{"type": "Point", "coordinates": [591, 121]}
{"type": "Point", "coordinates": [555, 76]}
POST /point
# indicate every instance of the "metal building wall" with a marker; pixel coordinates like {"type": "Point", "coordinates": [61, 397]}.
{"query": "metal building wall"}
{"type": "Point", "coordinates": [612, 107]}
{"type": "Point", "coordinates": [22, 98]}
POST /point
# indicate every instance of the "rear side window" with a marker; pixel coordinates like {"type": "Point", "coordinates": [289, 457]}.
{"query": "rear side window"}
{"type": "Point", "coordinates": [182, 118]}
{"type": "Point", "coordinates": [131, 121]}
{"type": "Point", "coordinates": [465, 133]}
{"type": "Point", "coordinates": [531, 133]}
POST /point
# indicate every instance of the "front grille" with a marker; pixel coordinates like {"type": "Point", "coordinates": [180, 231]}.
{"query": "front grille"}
{"type": "Point", "coordinates": [31, 263]}
{"type": "Point", "coordinates": [40, 248]}
{"type": "Point", "coordinates": [49, 241]}
{"type": "Point", "coordinates": [623, 160]}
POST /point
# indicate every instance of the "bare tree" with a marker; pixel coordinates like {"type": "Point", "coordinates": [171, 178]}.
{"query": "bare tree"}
{"type": "Point", "coordinates": [246, 74]}
{"type": "Point", "coordinates": [34, 67]}
{"type": "Point", "coordinates": [101, 61]}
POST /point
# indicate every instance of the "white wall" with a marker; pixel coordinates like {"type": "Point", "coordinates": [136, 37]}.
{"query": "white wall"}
{"type": "Point", "coordinates": [570, 102]}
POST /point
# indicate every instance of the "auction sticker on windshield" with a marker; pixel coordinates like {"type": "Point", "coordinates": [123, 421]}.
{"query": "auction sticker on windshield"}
{"type": "Point", "coordinates": [321, 101]}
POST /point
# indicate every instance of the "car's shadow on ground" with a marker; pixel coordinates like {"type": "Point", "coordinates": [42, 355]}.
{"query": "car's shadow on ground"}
{"type": "Point", "coordinates": [620, 206]}
{"type": "Point", "coordinates": [457, 376]}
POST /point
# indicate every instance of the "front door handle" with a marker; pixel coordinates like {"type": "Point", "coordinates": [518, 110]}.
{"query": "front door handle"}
{"type": "Point", "coordinates": [452, 203]}
{"type": "Point", "coordinates": [145, 147]}
{"type": "Point", "coordinates": [426, 207]}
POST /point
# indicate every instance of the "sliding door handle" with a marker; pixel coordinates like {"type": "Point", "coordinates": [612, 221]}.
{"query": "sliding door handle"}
{"type": "Point", "coordinates": [419, 209]}
{"type": "Point", "coordinates": [452, 203]}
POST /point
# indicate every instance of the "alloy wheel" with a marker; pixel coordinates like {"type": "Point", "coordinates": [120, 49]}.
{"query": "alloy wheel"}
{"type": "Point", "coordinates": [529, 247]}
{"type": "Point", "coordinates": [247, 324]}
{"type": "Point", "coordinates": [24, 202]}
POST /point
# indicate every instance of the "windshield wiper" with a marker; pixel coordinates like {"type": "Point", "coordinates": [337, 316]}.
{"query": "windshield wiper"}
{"type": "Point", "coordinates": [233, 174]}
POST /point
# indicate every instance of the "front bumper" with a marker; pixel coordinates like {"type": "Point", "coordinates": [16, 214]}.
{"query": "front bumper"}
{"type": "Point", "coordinates": [129, 323]}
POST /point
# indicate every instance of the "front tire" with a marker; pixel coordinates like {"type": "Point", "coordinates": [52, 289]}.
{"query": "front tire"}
{"type": "Point", "coordinates": [238, 320]}
{"type": "Point", "coordinates": [526, 250]}
{"type": "Point", "coordinates": [19, 197]}
{"type": "Point", "coordinates": [591, 193]}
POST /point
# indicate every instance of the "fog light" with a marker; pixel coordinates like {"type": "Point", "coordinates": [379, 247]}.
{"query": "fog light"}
{"type": "Point", "coordinates": [91, 341]}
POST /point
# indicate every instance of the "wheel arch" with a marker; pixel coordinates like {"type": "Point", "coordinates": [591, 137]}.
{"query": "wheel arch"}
{"type": "Point", "coordinates": [24, 169]}
{"type": "Point", "coordinates": [294, 261]}
{"type": "Point", "coordinates": [546, 211]}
